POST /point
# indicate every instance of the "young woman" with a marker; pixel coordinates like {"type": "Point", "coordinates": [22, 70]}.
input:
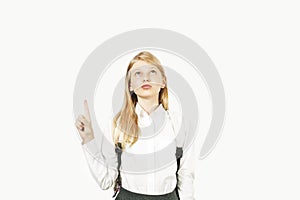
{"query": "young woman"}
{"type": "Point", "coordinates": [143, 125]}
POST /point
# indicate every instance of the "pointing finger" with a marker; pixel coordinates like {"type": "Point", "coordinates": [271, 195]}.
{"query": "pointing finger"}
{"type": "Point", "coordinates": [86, 111]}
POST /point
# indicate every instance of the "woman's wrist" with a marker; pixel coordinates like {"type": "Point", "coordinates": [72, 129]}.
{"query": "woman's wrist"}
{"type": "Point", "coordinates": [87, 139]}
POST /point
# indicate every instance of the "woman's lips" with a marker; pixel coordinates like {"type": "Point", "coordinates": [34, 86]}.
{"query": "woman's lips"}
{"type": "Point", "coordinates": [146, 86]}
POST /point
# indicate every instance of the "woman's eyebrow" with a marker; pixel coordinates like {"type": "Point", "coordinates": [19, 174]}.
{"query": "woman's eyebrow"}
{"type": "Point", "coordinates": [139, 68]}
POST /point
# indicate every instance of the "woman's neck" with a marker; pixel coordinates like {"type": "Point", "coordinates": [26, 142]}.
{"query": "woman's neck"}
{"type": "Point", "coordinates": [148, 104]}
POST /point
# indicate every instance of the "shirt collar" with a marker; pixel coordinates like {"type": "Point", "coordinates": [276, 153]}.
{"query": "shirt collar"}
{"type": "Point", "coordinates": [143, 114]}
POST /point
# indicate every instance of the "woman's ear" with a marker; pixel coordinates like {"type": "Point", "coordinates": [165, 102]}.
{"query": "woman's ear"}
{"type": "Point", "coordinates": [130, 88]}
{"type": "Point", "coordinates": [129, 85]}
{"type": "Point", "coordinates": [163, 83]}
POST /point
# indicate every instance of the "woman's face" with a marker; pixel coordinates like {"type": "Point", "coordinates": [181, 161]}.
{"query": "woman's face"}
{"type": "Point", "coordinates": [145, 79]}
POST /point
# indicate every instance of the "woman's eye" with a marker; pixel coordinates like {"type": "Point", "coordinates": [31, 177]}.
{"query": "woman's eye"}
{"type": "Point", "coordinates": [137, 73]}
{"type": "Point", "coordinates": [153, 71]}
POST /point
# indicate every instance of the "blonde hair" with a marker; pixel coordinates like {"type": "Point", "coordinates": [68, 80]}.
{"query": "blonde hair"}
{"type": "Point", "coordinates": [126, 120]}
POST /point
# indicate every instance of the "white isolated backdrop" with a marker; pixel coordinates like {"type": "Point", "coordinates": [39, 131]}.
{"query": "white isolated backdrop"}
{"type": "Point", "coordinates": [254, 45]}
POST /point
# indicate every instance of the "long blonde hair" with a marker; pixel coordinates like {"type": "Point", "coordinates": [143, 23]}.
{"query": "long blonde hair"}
{"type": "Point", "coordinates": [126, 120]}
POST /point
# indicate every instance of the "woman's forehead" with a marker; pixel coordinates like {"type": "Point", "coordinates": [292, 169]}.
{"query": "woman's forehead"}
{"type": "Point", "coordinates": [142, 65]}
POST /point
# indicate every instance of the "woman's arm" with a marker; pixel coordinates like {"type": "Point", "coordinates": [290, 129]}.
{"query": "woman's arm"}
{"type": "Point", "coordinates": [186, 174]}
{"type": "Point", "coordinates": [102, 172]}
{"type": "Point", "coordinates": [102, 168]}
{"type": "Point", "coordinates": [186, 171]}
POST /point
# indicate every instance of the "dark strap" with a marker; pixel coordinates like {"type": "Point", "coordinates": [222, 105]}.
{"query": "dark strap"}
{"type": "Point", "coordinates": [179, 153]}
{"type": "Point", "coordinates": [118, 150]}
{"type": "Point", "coordinates": [118, 183]}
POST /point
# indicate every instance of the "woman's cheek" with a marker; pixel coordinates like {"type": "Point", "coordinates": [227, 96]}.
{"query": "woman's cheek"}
{"type": "Point", "coordinates": [136, 84]}
{"type": "Point", "coordinates": [157, 80]}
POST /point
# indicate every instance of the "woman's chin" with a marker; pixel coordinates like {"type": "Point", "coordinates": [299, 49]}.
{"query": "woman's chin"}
{"type": "Point", "coordinates": [147, 94]}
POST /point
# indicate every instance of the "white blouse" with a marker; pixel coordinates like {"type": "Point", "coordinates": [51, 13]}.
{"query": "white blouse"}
{"type": "Point", "coordinates": [149, 166]}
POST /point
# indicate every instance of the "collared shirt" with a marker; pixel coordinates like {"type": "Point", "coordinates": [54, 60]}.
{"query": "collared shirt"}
{"type": "Point", "coordinates": [149, 166]}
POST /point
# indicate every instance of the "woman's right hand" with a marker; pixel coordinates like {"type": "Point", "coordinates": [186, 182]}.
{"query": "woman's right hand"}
{"type": "Point", "coordinates": [84, 125]}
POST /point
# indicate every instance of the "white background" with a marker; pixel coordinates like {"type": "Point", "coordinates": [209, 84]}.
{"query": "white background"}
{"type": "Point", "coordinates": [254, 45]}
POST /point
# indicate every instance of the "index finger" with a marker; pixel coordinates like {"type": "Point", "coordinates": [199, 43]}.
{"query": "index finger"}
{"type": "Point", "coordinates": [86, 110]}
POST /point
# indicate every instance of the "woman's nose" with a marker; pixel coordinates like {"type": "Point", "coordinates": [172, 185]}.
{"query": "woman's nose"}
{"type": "Point", "coordinates": [146, 77]}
